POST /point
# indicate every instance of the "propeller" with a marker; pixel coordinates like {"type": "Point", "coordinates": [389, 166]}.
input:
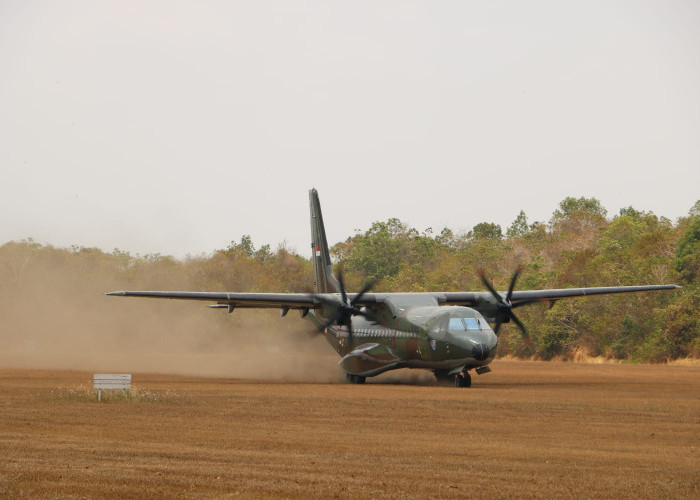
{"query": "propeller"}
{"type": "Point", "coordinates": [345, 309]}
{"type": "Point", "coordinates": [505, 307]}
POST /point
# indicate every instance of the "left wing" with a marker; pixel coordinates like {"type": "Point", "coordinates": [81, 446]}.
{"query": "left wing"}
{"type": "Point", "coordinates": [472, 299]}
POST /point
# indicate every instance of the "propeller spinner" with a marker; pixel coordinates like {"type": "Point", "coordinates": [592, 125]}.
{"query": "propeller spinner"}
{"type": "Point", "coordinates": [505, 306]}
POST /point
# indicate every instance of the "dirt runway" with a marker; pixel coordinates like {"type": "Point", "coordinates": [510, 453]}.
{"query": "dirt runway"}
{"type": "Point", "coordinates": [528, 429]}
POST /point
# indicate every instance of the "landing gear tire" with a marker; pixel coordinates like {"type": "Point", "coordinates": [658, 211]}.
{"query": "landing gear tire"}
{"type": "Point", "coordinates": [356, 379]}
{"type": "Point", "coordinates": [463, 380]}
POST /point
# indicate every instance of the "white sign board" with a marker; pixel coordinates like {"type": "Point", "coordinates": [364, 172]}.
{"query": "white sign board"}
{"type": "Point", "coordinates": [110, 381]}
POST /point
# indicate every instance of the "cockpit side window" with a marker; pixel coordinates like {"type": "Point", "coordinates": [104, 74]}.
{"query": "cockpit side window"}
{"type": "Point", "coordinates": [456, 325]}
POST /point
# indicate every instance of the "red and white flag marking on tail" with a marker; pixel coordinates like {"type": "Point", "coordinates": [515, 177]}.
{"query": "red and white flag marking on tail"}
{"type": "Point", "coordinates": [318, 250]}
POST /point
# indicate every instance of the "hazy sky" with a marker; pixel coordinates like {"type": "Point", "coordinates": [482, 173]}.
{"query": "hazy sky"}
{"type": "Point", "coordinates": [175, 127]}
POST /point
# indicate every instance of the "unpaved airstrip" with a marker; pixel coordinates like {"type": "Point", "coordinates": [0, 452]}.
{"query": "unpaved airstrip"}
{"type": "Point", "coordinates": [528, 429]}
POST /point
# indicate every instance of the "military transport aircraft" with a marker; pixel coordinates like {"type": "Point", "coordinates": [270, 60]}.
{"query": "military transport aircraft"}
{"type": "Point", "coordinates": [448, 333]}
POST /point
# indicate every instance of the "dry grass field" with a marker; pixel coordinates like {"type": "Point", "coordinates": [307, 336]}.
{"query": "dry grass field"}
{"type": "Point", "coordinates": [528, 429]}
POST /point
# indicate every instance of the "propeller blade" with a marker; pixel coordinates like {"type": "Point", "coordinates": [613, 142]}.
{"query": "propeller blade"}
{"type": "Point", "coordinates": [525, 302]}
{"type": "Point", "coordinates": [505, 306]}
{"type": "Point", "coordinates": [520, 324]}
{"type": "Point", "coordinates": [354, 311]}
{"type": "Point", "coordinates": [490, 288]}
{"type": "Point", "coordinates": [368, 286]}
{"type": "Point", "coordinates": [512, 283]}
{"type": "Point", "coordinates": [344, 309]}
{"type": "Point", "coordinates": [334, 319]}
{"type": "Point", "coordinates": [341, 281]}
{"type": "Point", "coordinates": [365, 314]}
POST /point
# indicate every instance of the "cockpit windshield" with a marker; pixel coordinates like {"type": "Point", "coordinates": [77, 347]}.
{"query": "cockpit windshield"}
{"type": "Point", "coordinates": [472, 323]}
{"type": "Point", "coordinates": [460, 325]}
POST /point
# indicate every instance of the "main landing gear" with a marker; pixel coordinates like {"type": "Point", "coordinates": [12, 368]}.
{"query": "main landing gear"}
{"type": "Point", "coordinates": [356, 379]}
{"type": "Point", "coordinates": [463, 379]}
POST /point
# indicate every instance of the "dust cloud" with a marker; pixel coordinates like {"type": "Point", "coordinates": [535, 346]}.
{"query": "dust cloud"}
{"type": "Point", "coordinates": [57, 318]}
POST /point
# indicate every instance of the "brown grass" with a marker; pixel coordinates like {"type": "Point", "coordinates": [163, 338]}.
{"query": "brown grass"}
{"type": "Point", "coordinates": [528, 429]}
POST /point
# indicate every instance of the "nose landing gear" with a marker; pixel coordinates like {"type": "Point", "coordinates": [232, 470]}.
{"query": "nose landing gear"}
{"type": "Point", "coordinates": [463, 379]}
{"type": "Point", "coordinates": [355, 379]}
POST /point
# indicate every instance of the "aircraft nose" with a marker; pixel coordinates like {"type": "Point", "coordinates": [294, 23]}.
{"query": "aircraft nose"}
{"type": "Point", "coordinates": [480, 352]}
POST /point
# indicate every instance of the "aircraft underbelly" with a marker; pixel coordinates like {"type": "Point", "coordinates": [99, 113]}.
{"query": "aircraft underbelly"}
{"type": "Point", "coordinates": [372, 359]}
{"type": "Point", "coordinates": [448, 364]}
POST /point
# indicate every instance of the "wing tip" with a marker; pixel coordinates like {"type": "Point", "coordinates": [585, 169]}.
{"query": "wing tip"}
{"type": "Point", "coordinates": [115, 293]}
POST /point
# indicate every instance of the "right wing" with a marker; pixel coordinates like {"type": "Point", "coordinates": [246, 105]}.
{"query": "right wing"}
{"type": "Point", "coordinates": [234, 300]}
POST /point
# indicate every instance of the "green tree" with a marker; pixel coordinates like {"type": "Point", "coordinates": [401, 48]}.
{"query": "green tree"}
{"type": "Point", "coordinates": [377, 253]}
{"type": "Point", "coordinates": [245, 246]}
{"type": "Point", "coordinates": [571, 206]}
{"type": "Point", "coordinates": [630, 212]}
{"type": "Point", "coordinates": [688, 253]}
{"type": "Point", "coordinates": [519, 227]}
{"type": "Point", "coordinates": [446, 237]}
{"type": "Point", "coordinates": [680, 335]}
{"type": "Point", "coordinates": [486, 231]}
{"type": "Point", "coordinates": [695, 210]}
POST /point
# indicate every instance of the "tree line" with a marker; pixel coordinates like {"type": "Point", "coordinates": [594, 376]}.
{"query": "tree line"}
{"type": "Point", "coordinates": [580, 246]}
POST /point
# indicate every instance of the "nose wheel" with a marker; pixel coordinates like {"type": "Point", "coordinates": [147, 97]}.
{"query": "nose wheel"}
{"type": "Point", "coordinates": [355, 379]}
{"type": "Point", "coordinates": [463, 379]}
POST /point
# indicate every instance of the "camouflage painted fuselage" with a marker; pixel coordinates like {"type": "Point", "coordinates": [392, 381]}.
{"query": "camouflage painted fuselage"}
{"type": "Point", "coordinates": [412, 334]}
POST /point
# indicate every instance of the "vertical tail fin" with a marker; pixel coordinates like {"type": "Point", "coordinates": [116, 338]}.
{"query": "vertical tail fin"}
{"type": "Point", "coordinates": [321, 257]}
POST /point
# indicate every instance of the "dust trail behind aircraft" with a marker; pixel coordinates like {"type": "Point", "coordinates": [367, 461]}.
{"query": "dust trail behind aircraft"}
{"type": "Point", "coordinates": [56, 317]}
